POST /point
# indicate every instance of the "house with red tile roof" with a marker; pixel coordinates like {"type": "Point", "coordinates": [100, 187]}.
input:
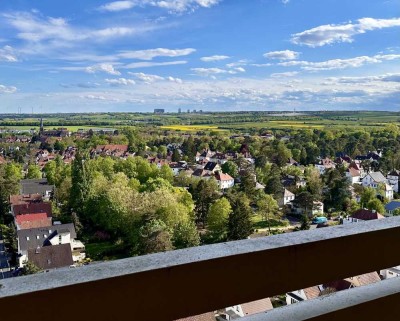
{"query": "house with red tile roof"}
{"type": "Point", "coordinates": [329, 287]}
{"type": "Point", "coordinates": [32, 207]}
{"type": "Point", "coordinates": [224, 180]}
{"type": "Point", "coordinates": [32, 220]}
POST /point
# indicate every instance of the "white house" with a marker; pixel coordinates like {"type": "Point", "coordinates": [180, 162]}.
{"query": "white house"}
{"type": "Point", "coordinates": [224, 180]}
{"type": "Point", "coordinates": [393, 180]}
{"type": "Point", "coordinates": [373, 179]}
{"type": "Point", "coordinates": [324, 165]}
{"type": "Point", "coordinates": [353, 175]}
{"type": "Point", "coordinates": [288, 196]}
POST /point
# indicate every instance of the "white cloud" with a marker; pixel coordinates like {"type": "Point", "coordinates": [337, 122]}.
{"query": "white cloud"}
{"type": "Point", "coordinates": [177, 80]}
{"type": "Point", "coordinates": [7, 53]}
{"type": "Point", "coordinates": [120, 82]}
{"type": "Point", "coordinates": [146, 64]}
{"type": "Point", "coordinates": [282, 55]}
{"type": "Point", "coordinates": [331, 33]}
{"type": "Point", "coordinates": [95, 97]}
{"type": "Point", "coordinates": [285, 1]}
{"type": "Point", "coordinates": [214, 58]}
{"type": "Point", "coordinates": [339, 63]}
{"type": "Point", "coordinates": [117, 6]}
{"type": "Point", "coordinates": [7, 89]}
{"type": "Point", "coordinates": [214, 71]}
{"type": "Point", "coordinates": [149, 54]}
{"type": "Point", "coordinates": [182, 5]}
{"type": "Point", "coordinates": [147, 78]}
{"type": "Point", "coordinates": [284, 74]}
{"type": "Point", "coordinates": [107, 68]}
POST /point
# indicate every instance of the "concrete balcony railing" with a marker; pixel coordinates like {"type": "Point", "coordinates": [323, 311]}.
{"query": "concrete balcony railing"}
{"type": "Point", "coordinates": [172, 285]}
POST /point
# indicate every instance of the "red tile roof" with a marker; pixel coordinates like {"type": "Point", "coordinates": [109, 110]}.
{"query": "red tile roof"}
{"type": "Point", "coordinates": [41, 207]}
{"type": "Point", "coordinates": [223, 177]}
{"type": "Point", "coordinates": [32, 220]}
{"type": "Point", "coordinates": [257, 306]}
{"type": "Point", "coordinates": [25, 199]}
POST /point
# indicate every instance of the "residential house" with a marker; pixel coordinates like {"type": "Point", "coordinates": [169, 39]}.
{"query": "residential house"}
{"type": "Point", "coordinates": [32, 220]}
{"type": "Point", "coordinates": [353, 175]}
{"type": "Point", "coordinates": [324, 165]}
{"type": "Point", "coordinates": [176, 167]}
{"type": "Point", "coordinates": [376, 179]}
{"type": "Point", "coordinates": [51, 257]}
{"type": "Point", "coordinates": [224, 180]}
{"type": "Point", "coordinates": [33, 207]}
{"type": "Point", "coordinates": [393, 180]}
{"type": "Point", "coordinates": [335, 286]}
{"type": "Point", "coordinates": [287, 197]}
{"type": "Point", "coordinates": [25, 199]}
{"type": "Point", "coordinates": [49, 236]}
{"type": "Point", "coordinates": [37, 186]}
{"type": "Point", "coordinates": [234, 312]}
{"type": "Point", "coordinates": [202, 173]}
{"type": "Point", "coordinates": [391, 207]}
{"type": "Point", "coordinates": [362, 215]}
{"type": "Point", "coordinates": [120, 151]}
{"type": "Point", "coordinates": [212, 167]}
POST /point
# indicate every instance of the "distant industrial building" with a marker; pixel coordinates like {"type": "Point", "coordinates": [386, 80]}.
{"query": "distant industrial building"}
{"type": "Point", "coordinates": [179, 110]}
{"type": "Point", "coordinates": [159, 111]}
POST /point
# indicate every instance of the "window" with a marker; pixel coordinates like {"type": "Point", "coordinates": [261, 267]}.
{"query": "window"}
{"type": "Point", "coordinates": [37, 237]}
{"type": "Point", "coordinates": [45, 235]}
{"type": "Point", "coordinates": [292, 301]}
{"type": "Point", "coordinates": [27, 238]}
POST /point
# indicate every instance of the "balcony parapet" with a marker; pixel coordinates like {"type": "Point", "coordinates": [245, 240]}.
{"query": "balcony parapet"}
{"type": "Point", "coordinates": [171, 285]}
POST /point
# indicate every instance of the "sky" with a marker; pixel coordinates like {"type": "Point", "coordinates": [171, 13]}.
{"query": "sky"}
{"type": "Point", "coordinates": [214, 55]}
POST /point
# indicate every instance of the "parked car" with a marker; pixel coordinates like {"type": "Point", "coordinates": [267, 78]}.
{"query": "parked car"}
{"type": "Point", "coordinates": [319, 220]}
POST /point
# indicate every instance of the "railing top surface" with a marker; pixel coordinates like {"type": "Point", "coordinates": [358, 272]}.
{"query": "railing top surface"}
{"type": "Point", "coordinates": [166, 260]}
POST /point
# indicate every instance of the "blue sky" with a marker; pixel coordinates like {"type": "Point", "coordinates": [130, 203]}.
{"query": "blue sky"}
{"type": "Point", "coordinates": [226, 55]}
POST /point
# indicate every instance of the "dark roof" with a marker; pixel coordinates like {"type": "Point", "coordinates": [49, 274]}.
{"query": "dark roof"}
{"type": "Point", "coordinates": [210, 166]}
{"type": "Point", "coordinates": [393, 205]}
{"type": "Point", "coordinates": [39, 236]}
{"type": "Point", "coordinates": [366, 215]}
{"type": "Point", "coordinates": [35, 186]}
{"type": "Point", "coordinates": [42, 207]}
{"type": "Point", "coordinates": [51, 257]}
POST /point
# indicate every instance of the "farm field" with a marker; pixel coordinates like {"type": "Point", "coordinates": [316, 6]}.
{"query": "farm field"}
{"type": "Point", "coordinates": [193, 128]}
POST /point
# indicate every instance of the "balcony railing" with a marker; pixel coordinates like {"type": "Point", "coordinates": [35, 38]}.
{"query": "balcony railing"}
{"type": "Point", "coordinates": [172, 285]}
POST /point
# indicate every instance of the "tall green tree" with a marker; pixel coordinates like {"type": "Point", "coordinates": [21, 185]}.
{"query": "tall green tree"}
{"type": "Point", "coordinates": [34, 172]}
{"type": "Point", "coordinates": [217, 219]}
{"type": "Point", "coordinates": [267, 207]}
{"type": "Point", "coordinates": [239, 221]}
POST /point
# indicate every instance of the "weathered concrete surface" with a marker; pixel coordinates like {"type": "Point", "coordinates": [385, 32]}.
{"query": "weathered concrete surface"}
{"type": "Point", "coordinates": [166, 286]}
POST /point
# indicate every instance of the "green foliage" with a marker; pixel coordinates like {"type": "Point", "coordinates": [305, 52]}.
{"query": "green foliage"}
{"type": "Point", "coordinates": [154, 237]}
{"type": "Point", "coordinates": [30, 268]}
{"type": "Point", "coordinates": [185, 235]}
{"type": "Point", "coordinates": [267, 207]}
{"type": "Point", "coordinates": [217, 219]}
{"type": "Point", "coordinates": [239, 221]}
{"type": "Point", "coordinates": [376, 205]}
{"type": "Point", "coordinates": [230, 168]}
{"type": "Point", "coordinates": [34, 172]}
